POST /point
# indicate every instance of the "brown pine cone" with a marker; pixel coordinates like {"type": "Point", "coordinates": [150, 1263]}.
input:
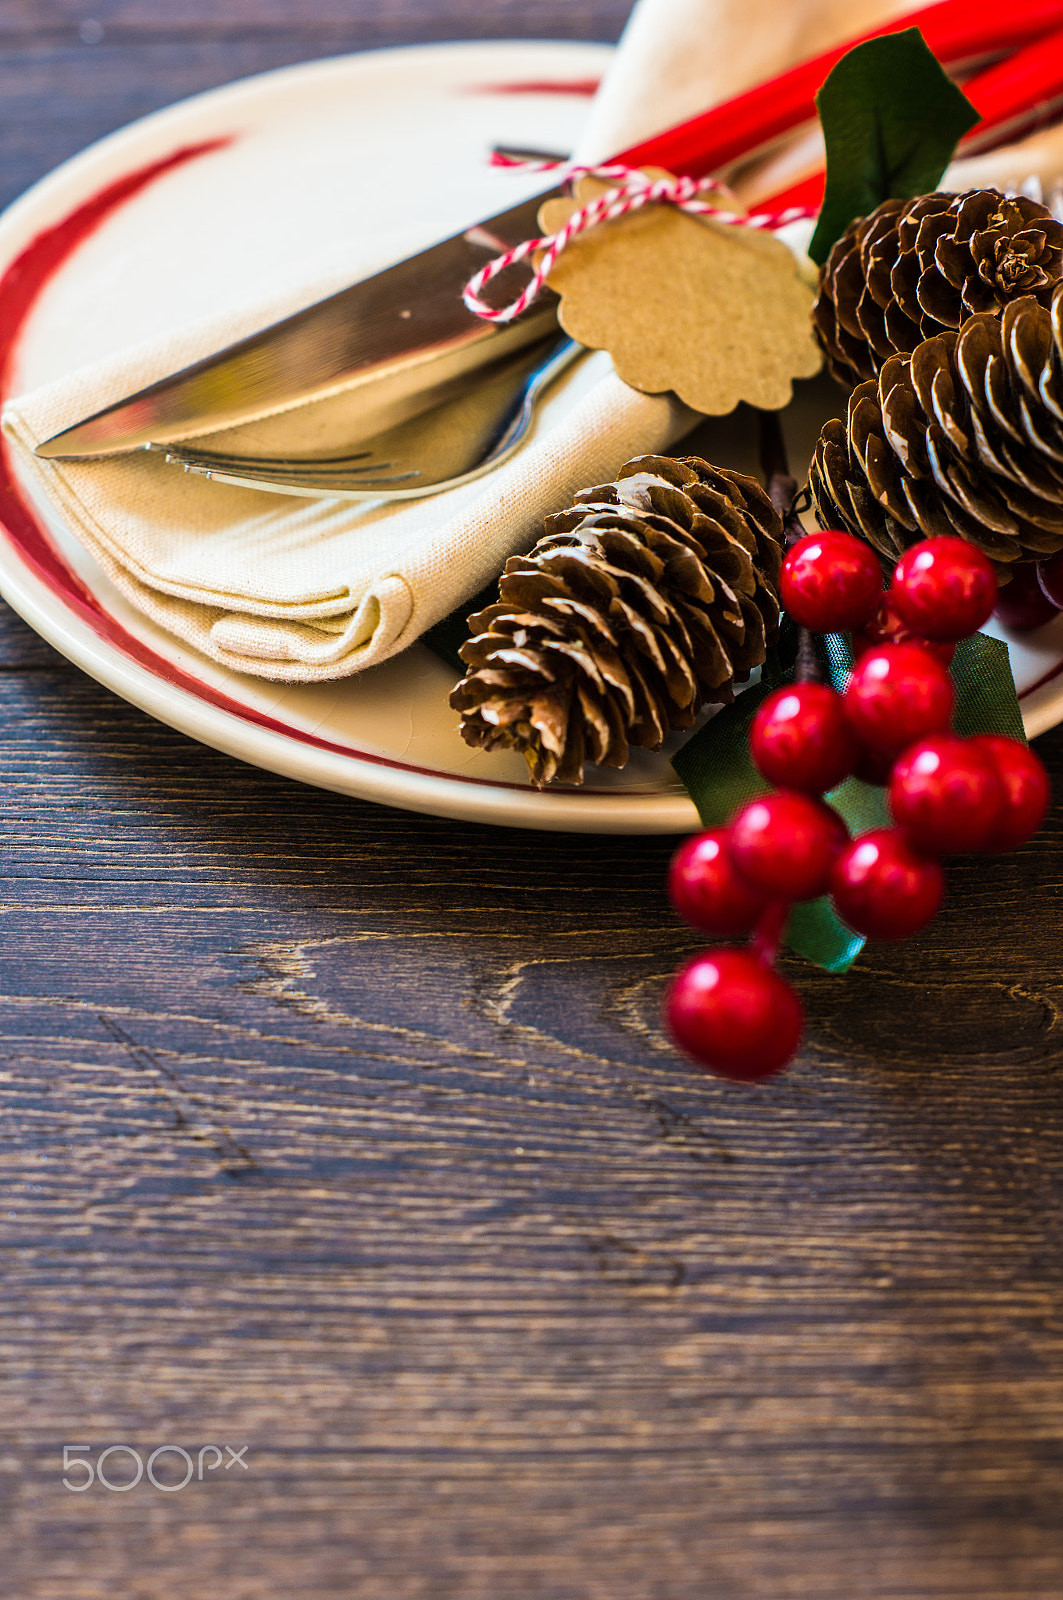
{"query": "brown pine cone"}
{"type": "Point", "coordinates": [964, 436]}
{"type": "Point", "coordinates": [915, 268]}
{"type": "Point", "coordinates": [644, 602]}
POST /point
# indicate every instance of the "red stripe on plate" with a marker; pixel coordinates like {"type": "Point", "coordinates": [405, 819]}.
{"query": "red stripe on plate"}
{"type": "Point", "coordinates": [586, 87]}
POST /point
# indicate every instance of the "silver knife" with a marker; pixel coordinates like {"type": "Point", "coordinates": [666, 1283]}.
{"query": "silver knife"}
{"type": "Point", "coordinates": [404, 334]}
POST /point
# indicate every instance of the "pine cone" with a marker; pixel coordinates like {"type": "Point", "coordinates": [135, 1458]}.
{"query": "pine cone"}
{"type": "Point", "coordinates": [964, 436]}
{"type": "Point", "coordinates": [644, 602]}
{"type": "Point", "coordinates": [915, 268]}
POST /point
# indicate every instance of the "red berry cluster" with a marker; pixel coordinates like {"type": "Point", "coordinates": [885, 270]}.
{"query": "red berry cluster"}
{"type": "Point", "coordinates": [728, 1008]}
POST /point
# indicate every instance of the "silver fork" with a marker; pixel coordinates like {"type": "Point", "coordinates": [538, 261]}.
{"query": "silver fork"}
{"type": "Point", "coordinates": [452, 444]}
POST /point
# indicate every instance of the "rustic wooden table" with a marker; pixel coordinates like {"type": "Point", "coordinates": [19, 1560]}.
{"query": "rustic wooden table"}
{"type": "Point", "coordinates": [350, 1136]}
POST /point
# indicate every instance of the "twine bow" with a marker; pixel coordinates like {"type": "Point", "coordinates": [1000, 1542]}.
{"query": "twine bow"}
{"type": "Point", "coordinates": [631, 190]}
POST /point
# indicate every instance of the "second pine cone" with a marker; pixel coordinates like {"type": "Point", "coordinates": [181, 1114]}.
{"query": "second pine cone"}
{"type": "Point", "coordinates": [915, 268]}
{"type": "Point", "coordinates": [964, 436]}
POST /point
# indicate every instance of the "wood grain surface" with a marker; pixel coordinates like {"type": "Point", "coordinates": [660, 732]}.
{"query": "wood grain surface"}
{"type": "Point", "coordinates": [351, 1137]}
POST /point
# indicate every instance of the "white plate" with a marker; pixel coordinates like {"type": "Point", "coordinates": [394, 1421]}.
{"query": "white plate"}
{"type": "Point", "coordinates": [428, 115]}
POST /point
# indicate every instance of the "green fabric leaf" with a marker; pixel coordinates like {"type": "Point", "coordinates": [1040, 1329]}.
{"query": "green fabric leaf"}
{"type": "Point", "coordinates": [891, 120]}
{"type": "Point", "coordinates": [986, 701]}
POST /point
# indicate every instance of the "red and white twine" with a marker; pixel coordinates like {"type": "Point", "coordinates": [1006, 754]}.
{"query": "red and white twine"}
{"type": "Point", "coordinates": [632, 189]}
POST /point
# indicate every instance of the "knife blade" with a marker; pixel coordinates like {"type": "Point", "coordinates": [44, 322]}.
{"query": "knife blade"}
{"type": "Point", "coordinates": [395, 334]}
{"type": "Point", "coordinates": [404, 333]}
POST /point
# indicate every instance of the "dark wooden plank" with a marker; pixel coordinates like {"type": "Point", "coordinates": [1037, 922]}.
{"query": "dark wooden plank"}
{"type": "Point", "coordinates": [23, 650]}
{"type": "Point", "coordinates": [404, 20]}
{"type": "Point", "coordinates": [352, 1136]}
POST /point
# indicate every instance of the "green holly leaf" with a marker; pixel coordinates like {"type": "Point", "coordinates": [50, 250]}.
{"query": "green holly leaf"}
{"type": "Point", "coordinates": [892, 118]}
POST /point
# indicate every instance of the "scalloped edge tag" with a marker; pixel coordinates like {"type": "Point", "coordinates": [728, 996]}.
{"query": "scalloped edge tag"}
{"type": "Point", "coordinates": [713, 311]}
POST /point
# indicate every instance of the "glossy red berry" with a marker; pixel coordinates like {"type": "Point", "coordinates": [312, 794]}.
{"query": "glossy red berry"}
{"type": "Point", "coordinates": [831, 582]}
{"type": "Point", "coordinates": [1026, 790]}
{"type": "Point", "coordinates": [946, 795]}
{"type": "Point", "coordinates": [801, 740]}
{"type": "Point", "coordinates": [785, 844]}
{"type": "Point", "coordinates": [897, 694]}
{"type": "Point", "coordinates": [887, 626]}
{"type": "Point", "coordinates": [944, 588]}
{"type": "Point", "coordinates": [1050, 579]}
{"type": "Point", "coordinates": [706, 889]}
{"type": "Point", "coordinates": [1022, 603]}
{"type": "Point", "coordinates": [733, 1015]}
{"type": "Point", "coordinates": [884, 888]}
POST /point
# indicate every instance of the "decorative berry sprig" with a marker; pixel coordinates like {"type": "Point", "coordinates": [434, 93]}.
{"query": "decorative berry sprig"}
{"type": "Point", "coordinates": [728, 1008]}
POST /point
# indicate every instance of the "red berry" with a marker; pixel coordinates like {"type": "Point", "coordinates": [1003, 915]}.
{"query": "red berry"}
{"type": "Point", "coordinates": [882, 887]}
{"type": "Point", "coordinates": [1022, 603]}
{"type": "Point", "coordinates": [785, 844]}
{"type": "Point", "coordinates": [831, 582]}
{"type": "Point", "coordinates": [944, 588]}
{"type": "Point", "coordinates": [1026, 790]}
{"type": "Point", "coordinates": [896, 694]}
{"type": "Point", "coordinates": [801, 740]}
{"type": "Point", "coordinates": [887, 626]}
{"type": "Point", "coordinates": [1050, 579]}
{"type": "Point", "coordinates": [733, 1015]}
{"type": "Point", "coordinates": [946, 795]}
{"type": "Point", "coordinates": [706, 889]}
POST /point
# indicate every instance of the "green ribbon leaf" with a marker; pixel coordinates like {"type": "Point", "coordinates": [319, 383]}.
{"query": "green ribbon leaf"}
{"type": "Point", "coordinates": [986, 701]}
{"type": "Point", "coordinates": [891, 119]}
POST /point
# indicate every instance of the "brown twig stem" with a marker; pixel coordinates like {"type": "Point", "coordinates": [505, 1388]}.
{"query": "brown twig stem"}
{"type": "Point", "coordinates": [782, 491]}
{"type": "Point", "coordinates": [767, 936]}
{"type": "Point", "coordinates": [780, 483]}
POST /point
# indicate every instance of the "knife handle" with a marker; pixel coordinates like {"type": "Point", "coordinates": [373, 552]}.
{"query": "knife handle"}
{"type": "Point", "coordinates": [957, 31]}
{"type": "Point", "coordinates": [1024, 90]}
